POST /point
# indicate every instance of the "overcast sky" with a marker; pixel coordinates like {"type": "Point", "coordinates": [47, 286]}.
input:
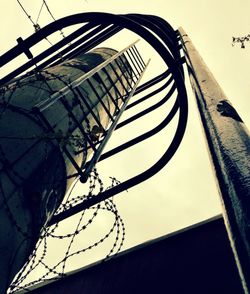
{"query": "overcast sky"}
{"type": "Point", "coordinates": [185, 191]}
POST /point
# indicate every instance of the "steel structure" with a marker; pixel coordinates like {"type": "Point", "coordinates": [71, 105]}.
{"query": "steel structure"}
{"type": "Point", "coordinates": [58, 111]}
{"type": "Point", "coordinates": [50, 127]}
{"type": "Point", "coordinates": [174, 49]}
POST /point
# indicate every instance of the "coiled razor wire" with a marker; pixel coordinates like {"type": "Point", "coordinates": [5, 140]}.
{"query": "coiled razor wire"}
{"type": "Point", "coordinates": [145, 27]}
{"type": "Point", "coordinates": [57, 271]}
{"type": "Point", "coordinates": [39, 257]}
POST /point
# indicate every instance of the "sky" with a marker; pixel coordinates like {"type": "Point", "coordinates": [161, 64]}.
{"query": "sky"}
{"type": "Point", "coordinates": [185, 191]}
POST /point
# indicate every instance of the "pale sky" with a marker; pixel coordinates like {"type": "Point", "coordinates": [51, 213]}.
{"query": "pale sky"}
{"type": "Point", "coordinates": [184, 192]}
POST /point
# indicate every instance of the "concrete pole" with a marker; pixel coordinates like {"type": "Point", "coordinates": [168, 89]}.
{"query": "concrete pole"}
{"type": "Point", "coordinates": [229, 146]}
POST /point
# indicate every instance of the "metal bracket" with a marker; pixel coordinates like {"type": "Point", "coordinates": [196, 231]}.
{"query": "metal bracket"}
{"type": "Point", "coordinates": [25, 49]}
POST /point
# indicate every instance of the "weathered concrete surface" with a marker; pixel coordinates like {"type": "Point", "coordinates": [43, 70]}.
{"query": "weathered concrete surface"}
{"type": "Point", "coordinates": [229, 148]}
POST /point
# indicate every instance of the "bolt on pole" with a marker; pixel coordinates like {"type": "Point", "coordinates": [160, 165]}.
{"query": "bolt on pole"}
{"type": "Point", "coordinates": [229, 148]}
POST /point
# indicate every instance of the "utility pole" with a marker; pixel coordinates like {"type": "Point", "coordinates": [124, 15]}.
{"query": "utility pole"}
{"type": "Point", "coordinates": [229, 148]}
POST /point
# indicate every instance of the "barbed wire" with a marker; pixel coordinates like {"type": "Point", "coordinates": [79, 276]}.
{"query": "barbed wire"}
{"type": "Point", "coordinates": [24, 10]}
{"type": "Point", "coordinates": [54, 272]}
{"type": "Point", "coordinates": [39, 257]}
{"type": "Point", "coordinates": [47, 7]}
{"type": "Point", "coordinates": [49, 11]}
{"type": "Point", "coordinates": [39, 13]}
{"type": "Point", "coordinates": [35, 23]}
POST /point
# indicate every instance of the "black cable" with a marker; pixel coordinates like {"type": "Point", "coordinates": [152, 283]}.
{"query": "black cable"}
{"type": "Point", "coordinates": [35, 25]}
{"type": "Point", "coordinates": [39, 13]}
{"type": "Point", "coordinates": [49, 11]}
{"type": "Point", "coordinates": [29, 17]}
{"type": "Point", "coordinates": [47, 7]}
